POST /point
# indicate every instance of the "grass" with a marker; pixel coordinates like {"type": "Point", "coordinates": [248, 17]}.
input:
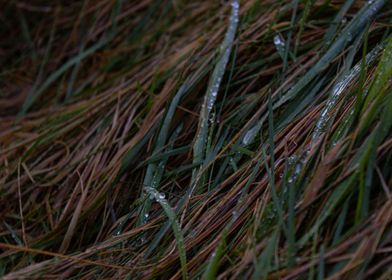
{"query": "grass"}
{"type": "Point", "coordinates": [196, 140]}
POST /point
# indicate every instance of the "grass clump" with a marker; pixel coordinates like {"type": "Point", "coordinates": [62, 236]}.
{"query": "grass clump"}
{"type": "Point", "coordinates": [196, 139]}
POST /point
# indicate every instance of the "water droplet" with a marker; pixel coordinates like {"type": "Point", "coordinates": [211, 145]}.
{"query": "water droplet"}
{"type": "Point", "coordinates": [212, 118]}
{"type": "Point", "coordinates": [278, 41]}
{"type": "Point", "coordinates": [235, 4]}
{"type": "Point", "coordinates": [161, 196]}
{"type": "Point", "coordinates": [249, 135]}
{"type": "Point", "coordinates": [292, 159]}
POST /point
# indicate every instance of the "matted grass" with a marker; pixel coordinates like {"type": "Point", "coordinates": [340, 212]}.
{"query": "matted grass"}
{"type": "Point", "coordinates": [196, 139]}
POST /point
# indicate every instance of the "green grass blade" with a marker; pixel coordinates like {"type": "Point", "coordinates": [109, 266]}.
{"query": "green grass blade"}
{"type": "Point", "coordinates": [175, 225]}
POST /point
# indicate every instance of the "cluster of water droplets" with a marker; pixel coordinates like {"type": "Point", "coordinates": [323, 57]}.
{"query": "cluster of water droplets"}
{"type": "Point", "coordinates": [212, 118]}
{"type": "Point", "coordinates": [155, 195]}
{"type": "Point", "coordinates": [336, 92]}
{"type": "Point", "coordinates": [297, 162]}
{"type": "Point", "coordinates": [157, 174]}
{"type": "Point", "coordinates": [213, 89]}
{"type": "Point", "coordinates": [371, 8]}
{"type": "Point", "coordinates": [225, 50]}
{"type": "Point", "coordinates": [375, 6]}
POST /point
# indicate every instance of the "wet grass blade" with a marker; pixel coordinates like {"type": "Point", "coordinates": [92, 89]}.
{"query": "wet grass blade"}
{"type": "Point", "coordinates": [213, 87]}
{"type": "Point", "coordinates": [175, 225]}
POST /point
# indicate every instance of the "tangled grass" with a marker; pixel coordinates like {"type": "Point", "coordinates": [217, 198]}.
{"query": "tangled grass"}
{"type": "Point", "coordinates": [196, 139]}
